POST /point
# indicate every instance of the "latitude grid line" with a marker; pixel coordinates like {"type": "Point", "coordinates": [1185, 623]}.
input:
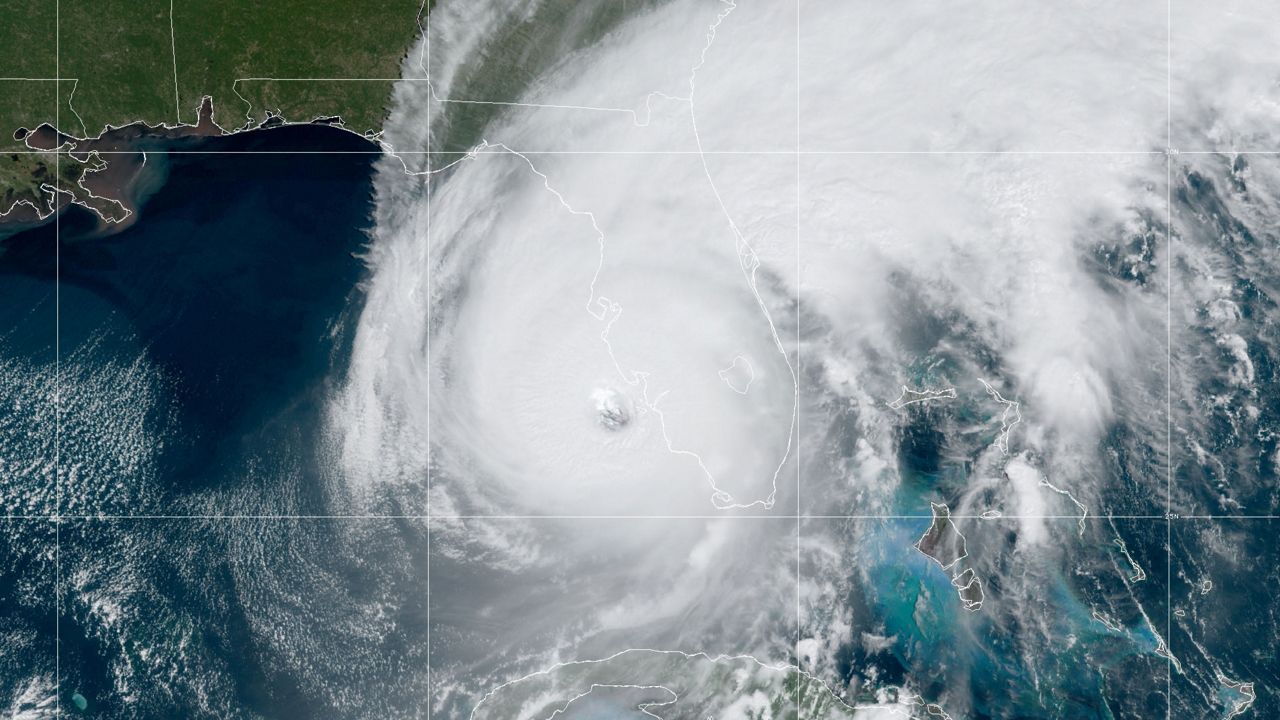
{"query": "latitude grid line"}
{"type": "Point", "coordinates": [57, 517]}
{"type": "Point", "coordinates": [463, 153]}
{"type": "Point", "coordinates": [108, 517]}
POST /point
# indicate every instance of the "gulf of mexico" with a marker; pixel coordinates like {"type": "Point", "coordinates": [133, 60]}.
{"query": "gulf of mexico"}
{"type": "Point", "coordinates": [216, 320]}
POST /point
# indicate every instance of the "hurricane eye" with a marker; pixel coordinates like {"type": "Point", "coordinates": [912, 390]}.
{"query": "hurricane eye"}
{"type": "Point", "coordinates": [611, 409]}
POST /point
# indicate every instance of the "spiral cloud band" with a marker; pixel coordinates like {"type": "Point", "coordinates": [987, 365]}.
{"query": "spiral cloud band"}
{"type": "Point", "coordinates": [672, 264]}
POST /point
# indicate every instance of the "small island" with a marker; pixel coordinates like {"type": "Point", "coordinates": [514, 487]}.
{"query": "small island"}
{"type": "Point", "coordinates": [942, 541]}
{"type": "Point", "coordinates": [944, 544]}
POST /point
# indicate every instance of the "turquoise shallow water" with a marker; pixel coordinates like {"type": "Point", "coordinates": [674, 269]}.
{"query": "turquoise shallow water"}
{"type": "Point", "coordinates": [196, 348]}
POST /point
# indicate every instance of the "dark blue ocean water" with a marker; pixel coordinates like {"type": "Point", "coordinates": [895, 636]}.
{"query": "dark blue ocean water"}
{"type": "Point", "coordinates": [232, 282]}
{"type": "Point", "coordinates": [237, 285]}
{"type": "Point", "coordinates": [233, 286]}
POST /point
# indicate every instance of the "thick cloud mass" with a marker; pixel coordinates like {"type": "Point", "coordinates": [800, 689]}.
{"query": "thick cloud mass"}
{"type": "Point", "coordinates": [676, 260]}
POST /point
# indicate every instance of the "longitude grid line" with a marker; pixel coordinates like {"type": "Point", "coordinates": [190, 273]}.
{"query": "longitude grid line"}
{"type": "Point", "coordinates": [799, 367]}
{"type": "Point", "coordinates": [57, 367]}
{"type": "Point", "coordinates": [427, 7]}
{"type": "Point", "coordinates": [1168, 375]}
{"type": "Point", "coordinates": [798, 517]}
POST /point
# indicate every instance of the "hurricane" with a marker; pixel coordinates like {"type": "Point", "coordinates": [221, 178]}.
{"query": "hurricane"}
{"type": "Point", "coordinates": [742, 359]}
{"type": "Point", "coordinates": [679, 263]}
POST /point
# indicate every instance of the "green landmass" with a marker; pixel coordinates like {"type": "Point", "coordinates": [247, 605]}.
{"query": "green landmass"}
{"type": "Point", "coordinates": [23, 104]}
{"type": "Point", "coordinates": [21, 177]}
{"type": "Point", "coordinates": [125, 61]}
{"type": "Point", "coordinates": [131, 61]}
{"type": "Point", "coordinates": [116, 63]}
{"type": "Point", "coordinates": [28, 40]}
{"type": "Point", "coordinates": [221, 42]}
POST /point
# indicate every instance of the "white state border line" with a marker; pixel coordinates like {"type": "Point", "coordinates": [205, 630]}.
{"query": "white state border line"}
{"type": "Point", "coordinates": [1011, 407]}
{"type": "Point", "coordinates": [609, 312]}
{"type": "Point", "coordinates": [1169, 516]}
{"type": "Point", "coordinates": [173, 47]}
{"type": "Point", "coordinates": [53, 191]}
